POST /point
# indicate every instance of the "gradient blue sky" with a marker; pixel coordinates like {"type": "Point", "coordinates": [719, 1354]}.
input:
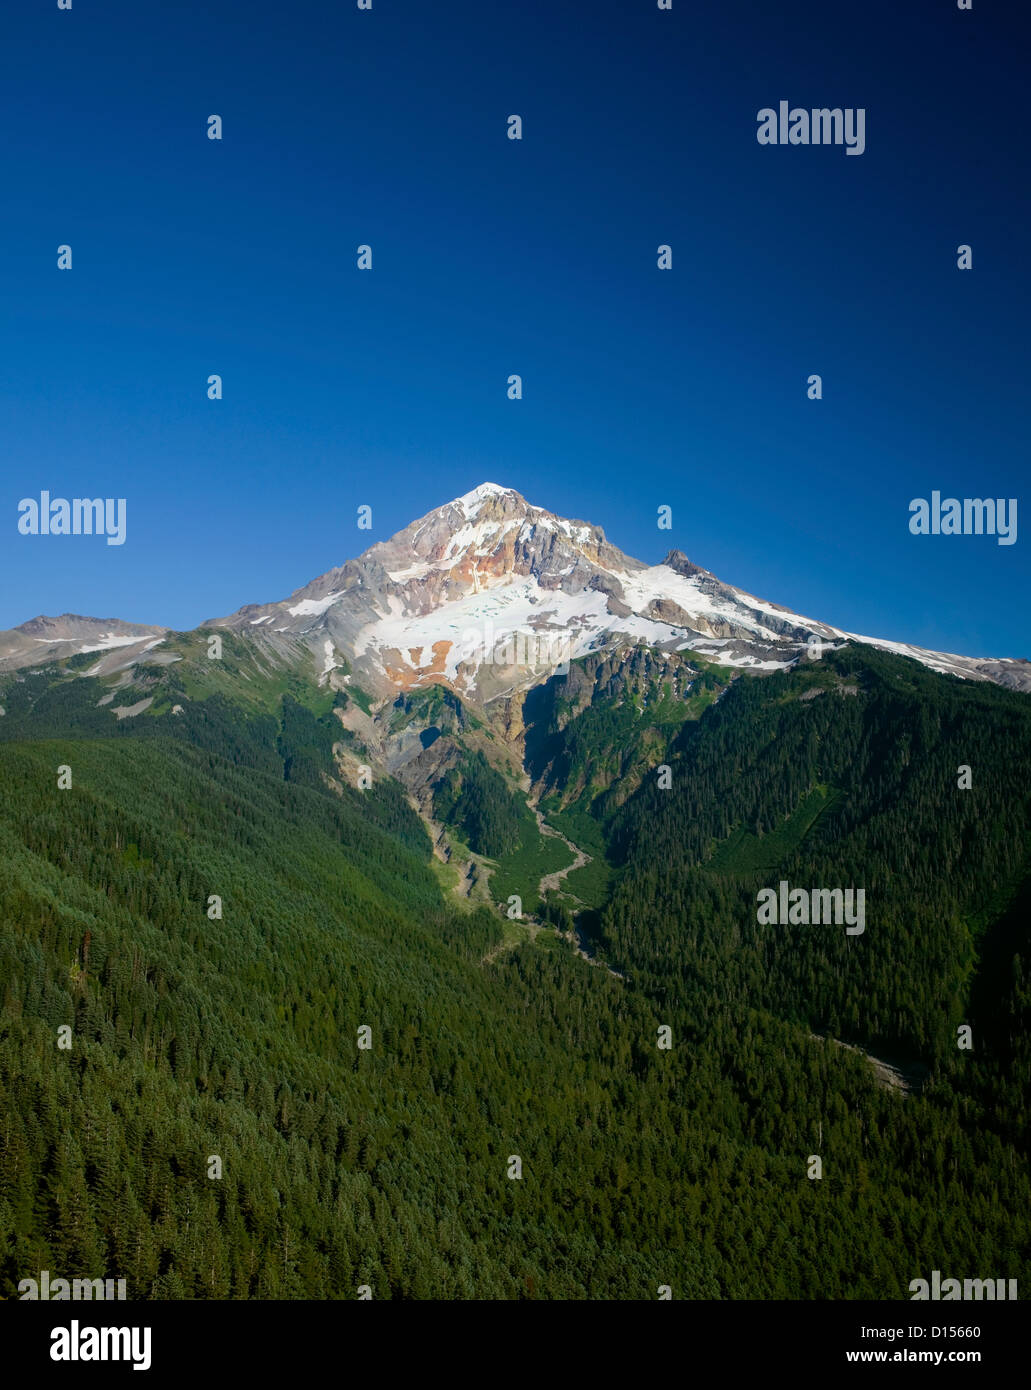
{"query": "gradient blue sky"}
{"type": "Point", "coordinates": [491, 257]}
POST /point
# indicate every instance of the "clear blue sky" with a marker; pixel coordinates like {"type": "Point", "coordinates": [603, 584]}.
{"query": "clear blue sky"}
{"type": "Point", "coordinates": [642, 388]}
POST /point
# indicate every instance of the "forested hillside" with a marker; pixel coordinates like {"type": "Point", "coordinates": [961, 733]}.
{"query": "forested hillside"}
{"type": "Point", "coordinates": [845, 773]}
{"type": "Point", "coordinates": [237, 1036]}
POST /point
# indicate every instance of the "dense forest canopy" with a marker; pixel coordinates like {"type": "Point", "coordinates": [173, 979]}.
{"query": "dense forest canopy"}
{"type": "Point", "coordinates": [237, 1035]}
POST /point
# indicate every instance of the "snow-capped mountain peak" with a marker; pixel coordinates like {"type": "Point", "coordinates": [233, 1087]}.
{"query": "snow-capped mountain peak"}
{"type": "Point", "coordinates": [489, 593]}
{"type": "Point", "coordinates": [471, 502]}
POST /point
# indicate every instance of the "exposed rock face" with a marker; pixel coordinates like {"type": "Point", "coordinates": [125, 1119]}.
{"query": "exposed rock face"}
{"type": "Point", "coordinates": [43, 639]}
{"type": "Point", "coordinates": [509, 716]}
{"type": "Point", "coordinates": [631, 677]}
{"type": "Point", "coordinates": [489, 596]}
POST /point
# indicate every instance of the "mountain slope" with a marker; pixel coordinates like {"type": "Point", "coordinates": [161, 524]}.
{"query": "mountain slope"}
{"type": "Point", "coordinates": [237, 1036]}
{"type": "Point", "coordinates": [490, 594]}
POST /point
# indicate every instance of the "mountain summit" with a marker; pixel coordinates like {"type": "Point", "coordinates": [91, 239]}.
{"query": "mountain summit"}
{"type": "Point", "coordinates": [490, 594]}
